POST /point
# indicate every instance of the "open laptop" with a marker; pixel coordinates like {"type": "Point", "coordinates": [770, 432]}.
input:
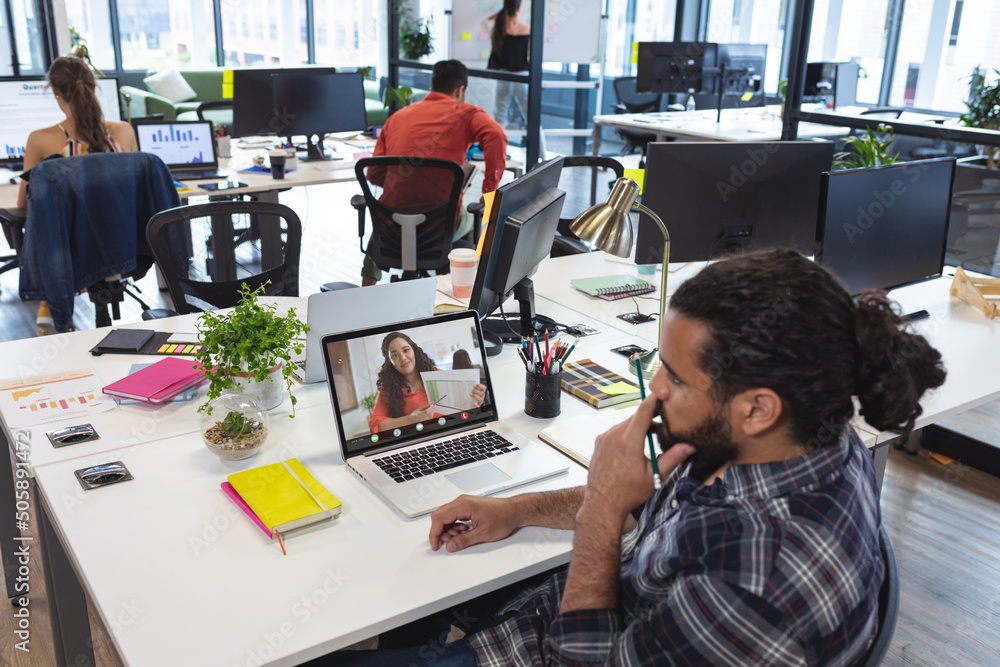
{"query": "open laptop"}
{"type": "Point", "coordinates": [187, 147]}
{"type": "Point", "coordinates": [345, 309]}
{"type": "Point", "coordinates": [460, 448]}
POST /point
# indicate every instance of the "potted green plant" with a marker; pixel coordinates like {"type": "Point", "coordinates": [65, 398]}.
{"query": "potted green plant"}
{"type": "Point", "coordinates": [870, 149]}
{"type": "Point", "coordinates": [415, 39]}
{"type": "Point", "coordinates": [248, 349]}
{"type": "Point", "coordinates": [983, 111]}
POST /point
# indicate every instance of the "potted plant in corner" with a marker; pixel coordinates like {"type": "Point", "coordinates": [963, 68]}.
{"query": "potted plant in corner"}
{"type": "Point", "coordinates": [248, 350]}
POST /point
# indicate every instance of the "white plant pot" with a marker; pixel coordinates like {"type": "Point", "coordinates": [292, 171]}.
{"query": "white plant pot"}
{"type": "Point", "coordinates": [270, 393]}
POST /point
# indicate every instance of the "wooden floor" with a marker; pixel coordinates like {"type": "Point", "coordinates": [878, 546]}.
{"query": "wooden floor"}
{"type": "Point", "coordinates": [944, 522]}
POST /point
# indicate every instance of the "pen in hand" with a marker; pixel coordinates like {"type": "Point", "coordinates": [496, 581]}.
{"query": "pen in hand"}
{"type": "Point", "coordinates": [649, 436]}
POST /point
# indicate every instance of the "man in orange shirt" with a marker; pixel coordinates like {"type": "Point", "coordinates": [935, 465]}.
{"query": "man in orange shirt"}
{"type": "Point", "coordinates": [442, 126]}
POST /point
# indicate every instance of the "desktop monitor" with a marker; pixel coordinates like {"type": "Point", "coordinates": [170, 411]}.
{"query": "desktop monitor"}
{"type": "Point", "coordinates": [309, 103]}
{"type": "Point", "coordinates": [519, 235]}
{"type": "Point", "coordinates": [675, 67]}
{"type": "Point", "coordinates": [722, 197]}
{"type": "Point", "coordinates": [27, 105]}
{"type": "Point", "coordinates": [885, 227]}
{"type": "Point", "coordinates": [742, 71]}
{"type": "Point", "coordinates": [253, 99]}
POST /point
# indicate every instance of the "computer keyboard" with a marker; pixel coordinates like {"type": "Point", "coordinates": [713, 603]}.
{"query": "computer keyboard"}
{"type": "Point", "coordinates": [427, 460]}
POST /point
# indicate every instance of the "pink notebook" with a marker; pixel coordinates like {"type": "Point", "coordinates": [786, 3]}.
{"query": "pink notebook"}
{"type": "Point", "coordinates": [158, 382]}
{"type": "Point", "coordinates": [234, 495]}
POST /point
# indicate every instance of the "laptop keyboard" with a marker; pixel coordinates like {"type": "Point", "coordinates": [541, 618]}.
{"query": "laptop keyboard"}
{"type": "Point", "coordinates": [427, 460]}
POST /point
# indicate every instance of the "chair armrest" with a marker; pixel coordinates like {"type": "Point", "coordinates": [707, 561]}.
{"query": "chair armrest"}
{"type": "Point", "coordinates": [12, 220]}
{"type": "Point", "coordinates": [359, 204]}
{"type": "Point", "coordinates": [212, 104]}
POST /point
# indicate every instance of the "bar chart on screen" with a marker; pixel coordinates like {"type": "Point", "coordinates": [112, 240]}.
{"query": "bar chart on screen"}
{"type": "Point", "coordinates": [47, 398]}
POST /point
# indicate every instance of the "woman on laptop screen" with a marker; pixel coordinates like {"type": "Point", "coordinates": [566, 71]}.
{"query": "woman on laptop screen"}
{"type": "Point", "coordinates": [402, 395]}
{"type": "Point", "coordinates": [83, 131]}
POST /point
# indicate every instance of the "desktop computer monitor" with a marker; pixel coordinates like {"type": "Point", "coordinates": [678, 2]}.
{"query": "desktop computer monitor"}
{"type": "Point", "coordinates": [886, 227]}
{"type": "Point", "coordinates": [27, 105]}
{"type": "Point", "coordinates": [676, 67]}
{"type": "Point", "coordinates": [723, 197]}
{"type": "Point", "coordinates": [314, 104]}
{"type": "Point", "coordinates": [519, 235]}
{"type": "Point", "coordinates": [254, 113]}
{"type": "Point", "coordinates": [742, 71]}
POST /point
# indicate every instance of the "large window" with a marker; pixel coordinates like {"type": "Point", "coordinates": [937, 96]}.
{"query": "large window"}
{"type": "Point", "coordinates": [27, 39]}
{"type": "Point", "coordinates": [247, 43]}
{"type": "Point", "coordinates": [162, 34]}
{"type": "Point", "coordinates": [752, 22]}
{"type": "Point", "coordinates": [941, 43]}
{"type": "Point", "coordinates": [845, 30]}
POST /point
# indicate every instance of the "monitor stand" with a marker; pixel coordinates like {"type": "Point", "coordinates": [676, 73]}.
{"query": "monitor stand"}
{"type": "Point", "coordinates": [497, 331]}
{"type": "Point", "coordinates": [315, 149]}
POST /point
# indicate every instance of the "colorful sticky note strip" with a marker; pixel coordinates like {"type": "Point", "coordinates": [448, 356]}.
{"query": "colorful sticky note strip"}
{"type": "Point", "coordinates": [618, 388]}
{"type": "Point", "coordinates": [466, 36]}
{"type": "Point", "coordinates": [637, 175]}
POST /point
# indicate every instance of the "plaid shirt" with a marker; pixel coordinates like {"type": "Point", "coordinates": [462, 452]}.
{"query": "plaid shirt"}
{"type": "Point", "coordinates": [774, 564]}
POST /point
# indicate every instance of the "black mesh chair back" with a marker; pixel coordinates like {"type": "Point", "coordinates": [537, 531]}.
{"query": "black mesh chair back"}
{"type": "Point", "coordinates": [633, 101]}
{"type": "Point", "coordinates": [414, 219]}
{"type": "Point", "coordinates": [602, 170]}
{"type": "Point", "coordinates": [888, 604]}
{"type": "Point", "coordinates": [207, 251]}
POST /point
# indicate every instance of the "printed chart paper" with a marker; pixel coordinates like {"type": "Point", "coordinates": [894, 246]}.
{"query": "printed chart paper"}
{"type": "Point", "coordinates": [48, 398]}
{"type": "Point", "coordinates": [450, 391]}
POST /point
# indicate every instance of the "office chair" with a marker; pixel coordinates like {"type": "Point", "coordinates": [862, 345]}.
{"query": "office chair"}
{"type": "Point", "coordinates": [631, 101]}
{"type": "Point", "coordinates": [414, 238]}
{"type": "Point", "coordinates": [566, 242]}
{"type": "Point", "coordinates": [205, 252]}
{"type": "Point", "coordinates": [888, 604]}
{"type": "Point", "coordinates": [84, 230]}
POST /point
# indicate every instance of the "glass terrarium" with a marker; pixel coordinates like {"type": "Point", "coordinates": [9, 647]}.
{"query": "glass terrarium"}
{"type": "Point", "coordinates": [234, 426]}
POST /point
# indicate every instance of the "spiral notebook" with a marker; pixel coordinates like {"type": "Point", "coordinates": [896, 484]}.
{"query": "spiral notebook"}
{"type": "Point", "coordinates": [611, 288]}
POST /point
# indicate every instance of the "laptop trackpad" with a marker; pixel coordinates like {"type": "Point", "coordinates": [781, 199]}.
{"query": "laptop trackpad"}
{"type": "Point", "coordinates": [478, 477]}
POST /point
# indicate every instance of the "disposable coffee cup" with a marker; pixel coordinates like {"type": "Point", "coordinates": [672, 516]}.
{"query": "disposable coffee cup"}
{"type": "Point", "coordinates": [278, 157]}
{"type": "Point", "coordinates": [463, 271]}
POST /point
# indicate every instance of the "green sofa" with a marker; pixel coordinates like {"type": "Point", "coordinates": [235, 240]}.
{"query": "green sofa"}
{"type": "Point", "coordinates": [207, 84]}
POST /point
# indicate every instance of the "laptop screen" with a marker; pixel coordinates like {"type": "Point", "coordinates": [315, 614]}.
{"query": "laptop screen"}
{"type": "Point", "coordinates": [184, 144]}
{"type": "Point", "coordinates": [406, 381]}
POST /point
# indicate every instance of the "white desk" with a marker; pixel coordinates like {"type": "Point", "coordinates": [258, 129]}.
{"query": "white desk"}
{"type": "Point", "coordinates": [755, 124]}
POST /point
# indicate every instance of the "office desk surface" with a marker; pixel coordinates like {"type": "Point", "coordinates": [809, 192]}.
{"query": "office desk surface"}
{"type": "Point", "coordinates": [736, 125]}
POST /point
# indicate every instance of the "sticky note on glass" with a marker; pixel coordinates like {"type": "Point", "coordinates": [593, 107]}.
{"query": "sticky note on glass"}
{"type": "Point", "coordinates": [619, 388]}
{"type": "Point", "coordinates": [466, 36]}
{"type": "Point", "coordinates": [637, 175]}
{"type": "Point", "coordinates": [487, 208]}
{"type": "Point", "coordinates": [747, 96]}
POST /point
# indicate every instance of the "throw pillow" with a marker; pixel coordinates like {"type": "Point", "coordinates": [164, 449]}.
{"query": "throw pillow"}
{"type": "Point", "coordinates": [171, 85]}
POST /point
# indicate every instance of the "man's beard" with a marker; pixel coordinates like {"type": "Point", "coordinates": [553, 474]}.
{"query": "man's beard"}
{"type": "Point", "coordinates": [712, 439]}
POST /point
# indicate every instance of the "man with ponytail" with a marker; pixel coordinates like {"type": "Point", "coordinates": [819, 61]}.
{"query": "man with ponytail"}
{"type": "Point", "coordinates": [761, 547]}
{"type": "Point", "coordinates": [83, 131]}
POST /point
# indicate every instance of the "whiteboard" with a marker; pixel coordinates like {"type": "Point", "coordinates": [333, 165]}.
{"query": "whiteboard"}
{"type": "Point", "coordinates": [572, 30]}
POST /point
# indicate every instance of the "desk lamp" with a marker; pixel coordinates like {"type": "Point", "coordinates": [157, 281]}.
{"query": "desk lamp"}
{"type": "Point", "coordinates": [607, 227]}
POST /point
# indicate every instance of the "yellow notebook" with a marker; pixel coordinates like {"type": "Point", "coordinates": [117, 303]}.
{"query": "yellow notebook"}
{"type": "Point", "coordinates": [285, 496]}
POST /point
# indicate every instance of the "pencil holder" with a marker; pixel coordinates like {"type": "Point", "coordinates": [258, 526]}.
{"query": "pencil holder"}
{"type": "Point", "coordinates": [542, 394]}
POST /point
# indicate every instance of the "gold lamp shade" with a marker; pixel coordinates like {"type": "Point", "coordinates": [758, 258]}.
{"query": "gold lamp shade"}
{"type": "Point", "coordinates": [607, 226]}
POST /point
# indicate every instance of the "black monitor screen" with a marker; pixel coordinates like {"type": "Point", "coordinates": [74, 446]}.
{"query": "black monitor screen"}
{"type": "Point", "coordinates": [253, 99]}
{"type": "Point", "coordinates": [310, 103]}
{"type": "Point", "coordinates": [521, 228]}
{"type": "Point", "coordinates": [886, 226]}
{"type": "Point", "coordinates": [722, 197]}
{"type": "Point", "coordinates": [744, 71]}
{"type": "Point", "coordinates": [675, 67]}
